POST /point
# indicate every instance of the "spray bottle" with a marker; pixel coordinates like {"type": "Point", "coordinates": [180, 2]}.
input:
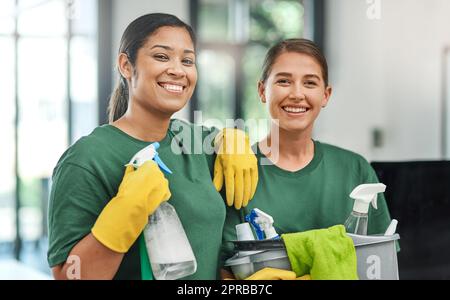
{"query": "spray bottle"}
{"type": "Point", "coordinates": [169, 251]}
{"type": "Point", "coordinates": [364, 195]}
{"type": "Point", "coordinates": [263, 224]}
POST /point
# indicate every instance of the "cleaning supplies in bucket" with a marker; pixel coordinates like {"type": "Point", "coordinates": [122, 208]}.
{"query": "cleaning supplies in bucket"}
{"type": "Point", "coordinates": [376, 256]}
{"type": "Point", "coordinates": [169, 250]}
{"type": "Point", "coordinates": [245, 263]}
{"type": "Point", "coordinates": [315, 251]}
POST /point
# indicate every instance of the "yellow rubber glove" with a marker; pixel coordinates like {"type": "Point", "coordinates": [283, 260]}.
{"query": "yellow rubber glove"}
{"type": "Point", "coordinates": [272, 274]}
{"type": "Point", "coordinates": [237, 163]}
{"type": "Point", "coordinates": [125, 216]}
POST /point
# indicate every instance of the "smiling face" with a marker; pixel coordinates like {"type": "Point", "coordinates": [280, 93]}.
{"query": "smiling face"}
{"type": "Point", "coordinates": [295, 92]}
{"type": "Point", "coordinates": [164, 75]}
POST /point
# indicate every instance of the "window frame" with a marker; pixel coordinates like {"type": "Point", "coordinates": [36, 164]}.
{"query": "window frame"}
{"type": "Point", "coordinates": [68, 102]}
{"type": "Point", "coordinates": [314, 30]}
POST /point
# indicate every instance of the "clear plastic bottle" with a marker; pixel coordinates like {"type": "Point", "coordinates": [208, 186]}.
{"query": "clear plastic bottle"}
{"type": "Point", "coordinates": [356, 223]}
{"type": "Point", "coordinates": [169, 251]}
{"type": "Point", "coordinates": [168, 247]}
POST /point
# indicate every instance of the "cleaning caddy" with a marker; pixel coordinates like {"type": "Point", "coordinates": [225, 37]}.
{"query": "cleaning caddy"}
{"type": "Point", "coordinates": [330, 253]}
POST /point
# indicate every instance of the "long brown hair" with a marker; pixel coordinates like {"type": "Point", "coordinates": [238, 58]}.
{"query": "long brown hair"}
{"type": "Point", "coordinates": [303, 46]}
{"type": "Point", "coordinates": [133, 38]}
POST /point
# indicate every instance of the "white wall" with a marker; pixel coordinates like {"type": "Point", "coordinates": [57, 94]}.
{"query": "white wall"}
{"type": "Point", "coordinates": [125, 11]}
{"type": "Point", "coordinates": [386, 73]}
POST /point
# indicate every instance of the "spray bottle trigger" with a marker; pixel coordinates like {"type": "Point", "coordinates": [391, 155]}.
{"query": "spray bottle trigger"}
{"type": "Point", "coordinates": [161, 164]}
{"type": "Point", "coordinates": [374, 201]}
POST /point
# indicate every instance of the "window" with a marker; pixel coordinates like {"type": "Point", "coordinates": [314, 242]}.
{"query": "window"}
{"type": "Point", "coordinates": [49, 59]}
{"type": "Point", "coordinates": [217, 71]}
{"type": "Point", "coordinates": [7, 149]}
{"type": "Point", "coordinates": [233, 37]}
{"type": "Point", "coordinates": [7, 123]}
{"type": "Point", "coordinates": [83, 68]}
{"type": "Point", "coordinates": [7, 8]}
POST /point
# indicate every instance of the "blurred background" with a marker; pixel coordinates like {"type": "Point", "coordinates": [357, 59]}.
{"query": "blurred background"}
{"type": "Point", "coordinates": [389, 64]}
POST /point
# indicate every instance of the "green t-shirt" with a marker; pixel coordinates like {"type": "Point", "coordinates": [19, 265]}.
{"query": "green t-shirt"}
{"type": "Point", "coordinates": [88, 175]}
{"type": "Point", "coordinates": [314, 197]}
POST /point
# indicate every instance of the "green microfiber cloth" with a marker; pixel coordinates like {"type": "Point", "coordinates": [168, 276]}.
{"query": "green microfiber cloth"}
{"type": "Point", "coordinates": [323, 253]}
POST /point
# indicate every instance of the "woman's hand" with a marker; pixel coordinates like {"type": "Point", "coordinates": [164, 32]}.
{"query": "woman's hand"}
{"type": "Point", "coordinates": [125, 216]}
{"type": "Point", "coordinates": [237, 163]}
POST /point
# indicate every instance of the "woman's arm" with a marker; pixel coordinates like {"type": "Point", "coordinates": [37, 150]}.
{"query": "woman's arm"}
{"type": "Point", "coordinates": [94, 261]}
{"type": "Point", "coordinates": [226, 274]}
{"type": "Point", "coordinates": [99, 253]}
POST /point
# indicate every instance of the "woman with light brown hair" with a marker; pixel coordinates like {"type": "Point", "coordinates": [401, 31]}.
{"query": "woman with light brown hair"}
{"type": "Point", "coordinates": [303, 184]}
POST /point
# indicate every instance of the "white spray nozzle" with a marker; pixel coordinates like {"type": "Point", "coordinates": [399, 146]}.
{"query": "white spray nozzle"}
{"type": "Point", "coordinates": [149, 153]}
{"type": "Point", "coordinates": [365, 194]}
{"type": "Point", "coordinates": [265, 221]}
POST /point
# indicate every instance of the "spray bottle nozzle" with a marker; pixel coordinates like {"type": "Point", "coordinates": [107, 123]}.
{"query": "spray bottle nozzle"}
{"type": "Point", "coordinates": [149, 153]}
{"type": "Point", "coordinates": [251, 219]}
{"type": "Point", "coordinates": [365, 194]}
{"type": "Point", "coordinates": [262, 223]}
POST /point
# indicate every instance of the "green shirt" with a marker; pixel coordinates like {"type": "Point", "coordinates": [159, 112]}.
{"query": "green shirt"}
{"type": "Point", "coordinates": [314, 197]}
{"type": "Point", "coordinates": [88, 175]}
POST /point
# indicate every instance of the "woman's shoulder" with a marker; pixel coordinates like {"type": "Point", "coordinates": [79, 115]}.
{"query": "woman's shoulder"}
{"type": "Point", "coordinates": [88, 147]}
{"type": "Point", "coordinates": [88, 144]}
{"type": "Point", "coordinates": [350, 162]}
{"type": "Point", "coordinates": [338, 153]}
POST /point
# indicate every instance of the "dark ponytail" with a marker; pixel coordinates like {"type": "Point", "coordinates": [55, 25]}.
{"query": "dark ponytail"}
{"type": "Point", "coordinates": [118, 103]}
{"type": "Point", "coordinates": [134, 38]}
